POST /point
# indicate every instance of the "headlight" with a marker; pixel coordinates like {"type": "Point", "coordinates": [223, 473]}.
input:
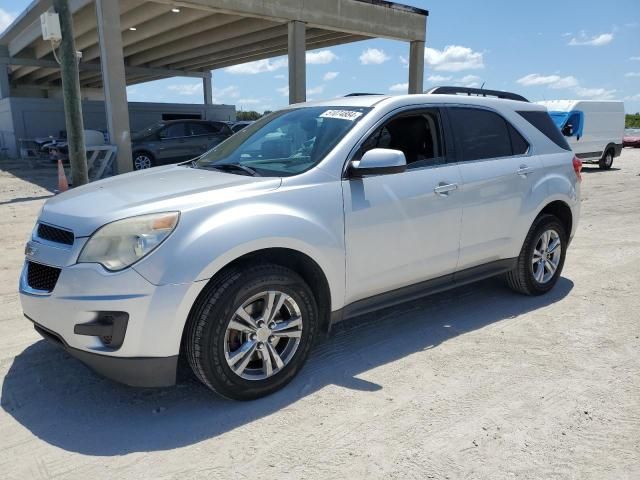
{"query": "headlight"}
{"type": "Point", "coordinates": [120, 244]}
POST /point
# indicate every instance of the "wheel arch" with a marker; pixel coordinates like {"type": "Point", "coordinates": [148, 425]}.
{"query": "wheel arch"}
{"type": "Point", "coordinates": [299, 262]}
{"type": "Point", "coordinates": [560, 210]}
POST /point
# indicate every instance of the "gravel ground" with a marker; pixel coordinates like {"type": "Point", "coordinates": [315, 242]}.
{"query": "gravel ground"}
{"type": "Point", "coordinates": [474, 383]}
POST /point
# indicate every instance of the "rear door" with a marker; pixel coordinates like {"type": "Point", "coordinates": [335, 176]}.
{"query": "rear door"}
{"type": "Point", "coordinates": [174, 146]}
{"type": "Point", "coordinates": [498, 173]}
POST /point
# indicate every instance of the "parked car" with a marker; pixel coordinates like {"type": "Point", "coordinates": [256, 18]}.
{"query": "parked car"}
{"type": "Point", "coordinates": [594, 128]}
{"type": "Point", "coordinates": [237, 126]}
{"type": "Point", "coordinates": [631, 138]}
{"type": "Point", "coordinates": [239, 260]}
{"type": "Point", "coordinates": [175, 141]}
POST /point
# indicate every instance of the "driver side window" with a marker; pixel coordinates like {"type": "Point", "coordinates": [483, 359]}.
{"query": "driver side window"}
{"type": "Point", "coordinates": [418, 136]}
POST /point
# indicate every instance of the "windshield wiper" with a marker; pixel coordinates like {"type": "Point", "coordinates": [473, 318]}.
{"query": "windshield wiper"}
{"type": "Point", "coordinates": [232, 166]}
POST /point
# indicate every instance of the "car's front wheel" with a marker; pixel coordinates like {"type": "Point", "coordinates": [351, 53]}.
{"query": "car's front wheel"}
{"type": "Point", "coordinates": [541, 259]}
{"type": "Point", "coordinates": [251, 331]}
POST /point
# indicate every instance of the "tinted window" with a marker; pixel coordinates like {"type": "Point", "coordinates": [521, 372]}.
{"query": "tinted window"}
{"type": "Point", "coordinates": [173, 130]}
{"type": "Point", "coordinates": [519, 145]}
{"type": "Point", "coordinates": [417, 136]}
{"type": "Point", "coordinates": [199, 129]}
{"type": "Point", "coordinates": [480, 133]}
{"type": "Point", "coordinates": [542, 121]}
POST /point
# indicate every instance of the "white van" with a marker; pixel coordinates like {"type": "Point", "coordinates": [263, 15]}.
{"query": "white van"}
{"type": "Point", "coordinates": [594, 128]}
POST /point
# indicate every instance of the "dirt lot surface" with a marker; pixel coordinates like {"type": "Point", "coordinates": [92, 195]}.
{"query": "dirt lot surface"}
{"type": "Point", "coordinates": [474, 383]}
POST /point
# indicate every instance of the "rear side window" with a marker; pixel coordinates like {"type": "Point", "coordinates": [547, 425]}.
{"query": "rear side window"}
{"type": "Point", "coordinates": [543, 122]}
{"type": "Point", "coordinates": [519, 145]}
{"type": "Point", "coordinates": [480, 133]}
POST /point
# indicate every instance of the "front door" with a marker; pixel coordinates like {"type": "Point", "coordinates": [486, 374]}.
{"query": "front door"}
{"type": "Point", "coordinates": [401, 229]}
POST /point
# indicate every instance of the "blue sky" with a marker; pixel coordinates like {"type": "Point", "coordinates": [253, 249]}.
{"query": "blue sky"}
{"type": "Point", "coordinates": [543, 50]}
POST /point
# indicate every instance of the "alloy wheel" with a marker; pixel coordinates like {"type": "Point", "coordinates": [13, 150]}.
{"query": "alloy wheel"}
{"type": "Point", "coordinates": [263, 335]}
{"type": "Point", "coordinates": [546, 256]}
{"type": "Point", "coordinates": [141, 162]}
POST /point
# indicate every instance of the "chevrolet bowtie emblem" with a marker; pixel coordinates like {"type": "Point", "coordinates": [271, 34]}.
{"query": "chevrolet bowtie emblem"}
{"type": "Point", "coordinates": [30, 250]}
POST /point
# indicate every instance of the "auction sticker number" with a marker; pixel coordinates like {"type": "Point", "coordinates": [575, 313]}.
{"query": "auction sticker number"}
{"type": "Point", "coordinates": [342, 114]}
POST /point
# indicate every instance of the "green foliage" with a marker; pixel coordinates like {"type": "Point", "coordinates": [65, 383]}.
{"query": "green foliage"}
{"type": "Point", "coordinates": [249, 115]}
{"type": "Point", "coordinates": [632, 121]}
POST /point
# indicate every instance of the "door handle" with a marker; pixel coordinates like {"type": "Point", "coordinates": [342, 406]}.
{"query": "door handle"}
{"type": "Point", "coordinates": [443, 189]}
{"type": "Point", "coordinates": [524, 170]}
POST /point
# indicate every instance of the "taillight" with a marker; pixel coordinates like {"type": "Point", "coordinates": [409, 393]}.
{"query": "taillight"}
{"type": "Point", "coordinates": [577, 167]}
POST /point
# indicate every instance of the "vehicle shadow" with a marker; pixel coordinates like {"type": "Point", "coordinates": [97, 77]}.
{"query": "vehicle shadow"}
{"type": "Point", "coordinates": [594, 169]}
{"type": "Point", "coordinates": [66, 405]}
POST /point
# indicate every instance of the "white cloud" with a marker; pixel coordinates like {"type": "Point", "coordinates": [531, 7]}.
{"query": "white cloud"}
{"type": "Point", "coordinates": [635, 59]}
{"type": "Point", "coordinates": [595, 41]}
{"type": "Point", "coordinates": [454, 58]}
{"type": "Point", "coordinates": [551, 81]}
{"type": "Point", "coordinates": [186, 88]}
{"type": "Point", "coordinates": [632, 74]}
{"type": "Point", "coordinates": [284, 91]}
{"type": "Point", "coordinates": [438, 78]}
{"type": "Point", "coordinates": [248, 101]}
{"type": "Point", "coordinates": [259, 66]}
{"type": "Point", "coordinates": [6, 18]}
{"type": "Point", "coordinates": [633, 97]}
{"type": "Point", "coordinates": [280, 76]}
{"type": "Point", "coordinates": [595, 93]}
{"type": "Point", "coordinates": [321, 58]}
{"type": "Point", "coordinates": [471, 81]}
{"type": "Point", "coordinates": [399, 87]}
{"type": "Point", "coordinates": [330, 76]}
{"type": "Point", "coordinates": [404, 61]}
{"type": "Point", "coordinates": [315, 90]}
{"type": "Point", "coordinates": [373, 56]}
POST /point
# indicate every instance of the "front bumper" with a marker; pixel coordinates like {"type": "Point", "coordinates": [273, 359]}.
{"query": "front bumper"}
{"type": "Point", "coordinates": [156, 314]}
{"type": "Point", "coordinates": [133, 371]}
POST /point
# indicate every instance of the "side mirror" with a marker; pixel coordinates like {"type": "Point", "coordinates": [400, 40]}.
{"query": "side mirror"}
{"type": "Point", "coordinates": [379, 161]}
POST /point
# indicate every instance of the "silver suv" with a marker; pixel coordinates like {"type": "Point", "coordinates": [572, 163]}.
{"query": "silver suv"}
{"type": "Point", "coordinates": [311, 215]}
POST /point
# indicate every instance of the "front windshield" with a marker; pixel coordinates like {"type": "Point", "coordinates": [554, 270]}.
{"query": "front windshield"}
{"type": "Point", "coordinates": [285, 143]}
{"type": "Point", "coordinates": [145, 132]}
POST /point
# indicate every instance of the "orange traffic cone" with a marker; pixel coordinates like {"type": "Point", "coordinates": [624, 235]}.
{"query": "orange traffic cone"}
{"type": "Point", "coordinates": [63, 186]}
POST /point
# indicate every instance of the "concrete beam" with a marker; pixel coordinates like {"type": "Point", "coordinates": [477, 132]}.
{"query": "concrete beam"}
{"type": "Point", "coordinates": [114, 81]}
{"type": "Point", "coordinates": [297, 62]}
{"type": "Point", "coordinates": [22, 32]}
{"type": "Point", "coordinates": [352, 16]}
{"type": "Point", "coordinates": [416, 67]}
{"type": "Point", "coordinates": [5, 87]}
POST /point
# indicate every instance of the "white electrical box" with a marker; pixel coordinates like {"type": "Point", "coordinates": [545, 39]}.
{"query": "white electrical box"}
{"type": "Point", "coordinates": [50, 24]}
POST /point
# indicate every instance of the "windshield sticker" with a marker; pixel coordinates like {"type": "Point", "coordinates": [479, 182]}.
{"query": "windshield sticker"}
{"type": "Point", "coordinates": [349, 115]}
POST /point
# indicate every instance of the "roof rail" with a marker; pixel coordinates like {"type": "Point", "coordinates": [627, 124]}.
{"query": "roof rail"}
{"type": "Point", "coordinates": [361, 94]}
{"type": "Point", "coordinates": [478, 92]}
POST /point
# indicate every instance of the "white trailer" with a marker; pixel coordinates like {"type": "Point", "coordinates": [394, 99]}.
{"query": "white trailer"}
{"type": "Point", "coordinates": [594, 128]}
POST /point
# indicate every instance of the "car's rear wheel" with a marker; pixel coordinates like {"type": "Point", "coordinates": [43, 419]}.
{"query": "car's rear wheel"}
{"type": "Point", "coordinates": [251, 331]}
{"type": "Point", "coordinates": [606, 161]}
{"type": "Point", "coordinates": [541, 259]}
{"type": "Point", "coordinates": [142, 160]}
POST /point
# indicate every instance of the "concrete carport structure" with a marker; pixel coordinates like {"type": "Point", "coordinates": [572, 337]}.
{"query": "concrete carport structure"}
{"type": "Point", "coordinates": [125, 42]}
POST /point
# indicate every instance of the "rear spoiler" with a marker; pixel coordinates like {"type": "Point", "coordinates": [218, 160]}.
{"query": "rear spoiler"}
{"type": "Point", "coordinates": [480, 92]}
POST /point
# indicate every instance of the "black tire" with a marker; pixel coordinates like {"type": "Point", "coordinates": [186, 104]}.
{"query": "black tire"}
{"type": "Point", "coordinates": [204, 339]}
{"type": "Point", "coordinates": [606, 161]}
{"type": "Point", "coordinates": [143, 160]}
{"type": "Point", "coordinates": [521, 279]}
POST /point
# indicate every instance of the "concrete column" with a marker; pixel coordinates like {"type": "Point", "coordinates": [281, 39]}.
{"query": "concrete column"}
{"type": "Point", "coordinates": [207, 87]}
{"type": "Point", "coordinates": [5, 87]}
{"type": "Point", "coordinates": [297, 62]}
{"type": "Point", "coordinates": [114, 80]}
{"type": "Point", "coordinates": [416, 67]}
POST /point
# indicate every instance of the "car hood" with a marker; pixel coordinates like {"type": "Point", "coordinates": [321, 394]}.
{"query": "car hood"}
{"type": "Point", "coordinates": [170, 188]}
